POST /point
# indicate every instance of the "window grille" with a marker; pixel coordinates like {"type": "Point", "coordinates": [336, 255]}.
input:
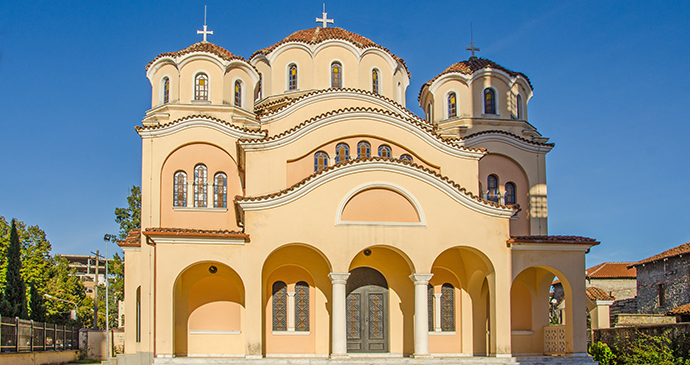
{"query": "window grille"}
{"type": "Point", "coordinates": [342, 153]}
{"type": "Point", "coordinates": [200, 179]}
{"type": "Point", "coordinates": [166, 90]}
{"type": "Point", "coordinates": [279, 306]}
{"type": "Point", "coordinates": [430, 305]}
{"type": "Point", "coordinates": [320, 161]}
{"type": "Point", "coordinates": [489, 101]}
{"type": "Point", "coordinates": [238, 93]}
{"type": "Point", "coordinates": [363, 150]}
{"type": "Point", "coordinates": [428, 112]}
{"type": "Point", "coordinates": [452, 106]}
{"type": "Point", "coordinates": [492, 186]}
{"type": "Point", "coordinates": [519, 106]}
{"type": "Point", "coordinates": [406, 157]}
{"type": "Point", "coordinates": [510, 194]}
{"type": "Point", "coordinates": [336, 75]}
{"type": "Point", "coordinates": [384, 151]}
{"type": "Point", "coordinates": [220, 190]}
{"type": "Point", "coordinates": [292, 77]}
{"type": "Point", "coordinates": [375, 81]}
{"type": "Point", "coordinates": [301, 306]}
{"type": "Point", "coordinates": [447, 307]}
{"type": "Point", "coordinates": [201, 87]}
{"type": "Point", "coordinates": [180, 189]}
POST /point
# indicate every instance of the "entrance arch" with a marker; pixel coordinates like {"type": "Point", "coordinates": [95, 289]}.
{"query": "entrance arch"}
{"type": "Point", "coordinates": [367, 311]}
{"type": "Point", "coordinates": [209, 311]}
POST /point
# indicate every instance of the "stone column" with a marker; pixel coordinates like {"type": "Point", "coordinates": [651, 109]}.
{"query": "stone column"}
{"type": "Point", "coordinates": [339, 315]}
{"type": "Point", "coordinates": [421, 315]}
{"type": "Point", "coordinates": [437, 312]}
{"type": "Point", "coordinates": [291, 311]}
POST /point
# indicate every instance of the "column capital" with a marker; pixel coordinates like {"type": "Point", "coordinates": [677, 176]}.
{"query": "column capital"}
{"type": "Point", "coordinates": [339, 277]}
{"type": "Point", "coordinates": [421, 279]}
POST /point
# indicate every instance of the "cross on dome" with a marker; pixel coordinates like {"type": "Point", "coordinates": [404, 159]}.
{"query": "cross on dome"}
{"type": "Point", "coordinates": [205, 32]}
{"type": "Point", "coordinates": [472, 48]}
{"type": "Point", "coordinates": [324, 21]}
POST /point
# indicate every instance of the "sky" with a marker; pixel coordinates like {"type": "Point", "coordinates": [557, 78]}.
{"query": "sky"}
{"type": "Point", "coordinates": [611, 90]}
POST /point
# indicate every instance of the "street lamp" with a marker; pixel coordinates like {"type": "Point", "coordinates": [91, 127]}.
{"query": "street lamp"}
{"type": "Point", "coordinates": [106, 238]}
{"type": "Point", "coordinates": [73, 313]}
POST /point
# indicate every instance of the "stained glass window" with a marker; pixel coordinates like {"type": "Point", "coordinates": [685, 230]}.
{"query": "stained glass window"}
{"type": "Point", "coordinates": [200, 188]}
{"type": "Point", "coordinates": [363, 149]}
{"type": "Point", "coordinates": [201, 87]}
{"type": "Point", "coordinates": [518, 107]}
{"type": "Point", "coordinates": [489, 101]}
{"type": "Point", "coordinates": [238, 93]}
{"type": "Point", "coordinates": [336, 75]}
{"type": "Point", "coordinates": [384, 151]}
{"type": "Point", "coordinates": [510, 193]}
{"type": "Point", "coordinates": [166, 90]}
{"type": "Point", "coordinates": [375, 81]}
{"type": "Point", "coordinates": [220, 190]}
{"type": "Point", "coordinates": [430, 305]}
{"type": "Point", "coordinates": [342, 153]}
{"type": "Point", "coordinates": [492, 186]}
{"type": "Point", "coordinates": [180, 189]}
{"type": "Point", "coordinates": [452, 106]}
{"type": "Point", "coordinates": [320, 161]}
{"type": "Point", "coordinates": [447, 307]}
{"type": "Point", "coordinates": [279, 306]}
{"type": "Point", "coordinates": [406, 157]}
{"type": "Point", "coordinates": [301, 306]}
{"type": "Point", "coordinates": [292, 77]}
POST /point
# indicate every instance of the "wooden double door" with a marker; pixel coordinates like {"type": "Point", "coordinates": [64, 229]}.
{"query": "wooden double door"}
{"type": "Point", "coordinates": [367, 311]}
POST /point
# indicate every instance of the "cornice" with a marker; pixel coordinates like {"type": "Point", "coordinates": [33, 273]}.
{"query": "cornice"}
{"type": "Point", "coordinates": [192, 121]}
{"type": "Point", "coordinates": [480, 138]}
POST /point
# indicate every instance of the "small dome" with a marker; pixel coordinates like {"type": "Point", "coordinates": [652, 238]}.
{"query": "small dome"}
{"type": "Point", "coordinates": [319, 34]}
{"type": "Point", "coordinates": [207, 47]}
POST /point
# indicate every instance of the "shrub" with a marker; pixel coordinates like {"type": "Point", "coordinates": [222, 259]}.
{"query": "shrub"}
{"type": "Point", "coordinates": [650, 350]}
{"type": "Point", "coordinates": [602, 352]}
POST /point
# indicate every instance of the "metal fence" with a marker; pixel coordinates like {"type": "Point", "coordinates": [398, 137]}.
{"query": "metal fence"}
{"type": "Point", "coordinates": [19, 335]}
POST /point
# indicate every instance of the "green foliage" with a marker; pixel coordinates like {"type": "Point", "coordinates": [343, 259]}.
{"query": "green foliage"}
{"type": "Point", "coordinates": [63, 284]}
{"type": "Point", "coordinates": [36, 304]}
{"type": "Point", "coordinates": [650, 350]}
{"type": "Point", "coordinates": [602, 352]}
{"type": "Point", "coordinates": [15, 290]}
{"type": "Point", "coordinates": [130, 217]}
{"type": "Point", "coordinates": [117, 284]}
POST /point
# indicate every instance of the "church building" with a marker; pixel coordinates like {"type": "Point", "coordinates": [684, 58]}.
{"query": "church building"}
{"type": "Point", "coordinates": [294, 208]}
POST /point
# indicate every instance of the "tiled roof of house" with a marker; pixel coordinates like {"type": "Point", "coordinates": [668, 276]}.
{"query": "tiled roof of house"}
{"type": "Point", "coordinates": [676, 251]}
{"type": "Point", "coordinates": [319, 34]}
{"type": "Point", "coordinates": [681, 310]}
{"type": "Point", "coordinates": [471, 66]}
{"type": "Point", "coordinates": [612, 270]}
{"type": "Point", "coordinates": [133, 239]}
{"type": "Point", "coordinates": [595, 293]}
{"type": "Point", "coordinates": [553, 239]}
{"type": "Point", "coordinates": [207, 47]}
{"type": "Point", "coordinates": [189, 232]}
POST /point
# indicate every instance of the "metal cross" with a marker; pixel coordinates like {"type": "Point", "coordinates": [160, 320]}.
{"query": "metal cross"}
{"type": "Point", "coordinates": [324, 21]}
{"type": "Point", "coordinates": [205, 32]}
{"type": "Point", "coordinates": [472, 47]}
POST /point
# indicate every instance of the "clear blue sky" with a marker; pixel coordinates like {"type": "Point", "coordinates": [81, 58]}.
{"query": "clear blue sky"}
{"type": "Point", "coordinates": [612, 90]}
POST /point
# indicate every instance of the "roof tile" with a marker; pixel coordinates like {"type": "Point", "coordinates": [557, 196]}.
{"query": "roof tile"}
{"type": "Point", "coordinates": [676, 251]}
{"type": "Point", "coordinates": [554, 239]}
{"type": "Point", "coordinates": [611, 270]}
{"type": "Point", "coordinates": [133, 239]}
{"type": "Point", "coordinates": [595, 293]}
{"type": "Point", "coordinates": [683, 309]}
{"type": "Point", "coordinates": [206, 47]}
{"type": "Point", "coordinates": [191, 232]}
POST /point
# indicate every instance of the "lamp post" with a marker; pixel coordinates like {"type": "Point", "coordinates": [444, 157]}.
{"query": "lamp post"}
{"type": "Point", "coordinates": [73, 313]}
{"type": "Point", "coordinates": [106, 238]}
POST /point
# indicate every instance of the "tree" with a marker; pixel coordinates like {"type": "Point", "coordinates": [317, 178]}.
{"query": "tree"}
{"type": "Point", "coordinates": [15, 290]}
{"type": "Point", "coordinates": [130, 217]}
{"type": "Point", "coordinates": [37, 306]}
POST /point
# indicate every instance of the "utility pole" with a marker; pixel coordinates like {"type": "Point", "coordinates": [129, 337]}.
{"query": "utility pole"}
{"type": "Point", "coordinates": [95, 290]}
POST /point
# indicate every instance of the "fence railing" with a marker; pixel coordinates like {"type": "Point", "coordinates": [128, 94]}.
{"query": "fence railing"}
{"type": "Point", "coordinates": [554, 340]}
{"type": "Point", "coordinates": [19, 335]}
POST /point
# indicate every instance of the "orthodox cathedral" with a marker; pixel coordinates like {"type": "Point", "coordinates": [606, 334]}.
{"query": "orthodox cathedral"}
{"type": "Point", "coordinates": [294, 208]}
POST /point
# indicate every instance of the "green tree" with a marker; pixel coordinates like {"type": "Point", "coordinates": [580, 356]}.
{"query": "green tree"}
{"type": "Point", "coordinates": [64, 284]}
{"type": "Point", "coordinates": [15, 290]}
{"type": "Point", "coordinates": [37, 305]}
{"type": "Point", "coordinates": [130, 217]}
{"type": "Point", "coordinates": [117, 270]}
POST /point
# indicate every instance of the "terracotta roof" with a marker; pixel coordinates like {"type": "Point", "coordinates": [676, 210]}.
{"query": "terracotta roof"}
{"type": "Point", "coordinates": [365, 160]}
{"type": "Point", "coordinates": [508, 134]}
{"type": "Point", "coordinates": [676, 251]}
{"type": "Point", "coordinates": [554, 239]}
{"type": "Point", "coordinates": [133, 239]}
{"type": "Point", "coordinates": [595, 293]}
{"type": "Point", "coordinates": [611, 270]}
{"type": "Point", "coordinates": [190, 232]}
{"type": "Point", "coordinates": [683, 309]}
{"type": "Point", "coordinates": [159, 126]}
{"type": "Point", "coordinates": [471, 66]}
{"type": "Point", "coordinates": [414, 121]}
{"type": "Point", "coordinates": [206, 47]}
{"type": "Point", "coordinates": [319, 34]}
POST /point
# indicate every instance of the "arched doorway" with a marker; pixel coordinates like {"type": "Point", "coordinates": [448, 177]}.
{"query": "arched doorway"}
{"type": "Point", "coordinates": [367, 311]}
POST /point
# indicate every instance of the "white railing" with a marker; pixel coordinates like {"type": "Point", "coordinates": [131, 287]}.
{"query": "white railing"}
{"type": "Point", "coordinates": [554, 340]}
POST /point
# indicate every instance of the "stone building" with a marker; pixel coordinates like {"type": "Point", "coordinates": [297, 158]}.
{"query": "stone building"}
{"type": "Point", "coordinates": [617, 279]}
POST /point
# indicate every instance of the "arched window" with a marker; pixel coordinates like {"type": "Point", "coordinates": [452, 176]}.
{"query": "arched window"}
{"type": "Point", "coordinates": [406, 157]}
{"type": "Point", "coordinates": [259, 87]}
{"type": "Point", "coordinates": [200, 178]}
{"type": "Point", "coordinates": [201, 87]}
{"type": "Point", "coordinates": [166, 90]}
{"type": "Point", "coordinates": [375, 81]}
{"type": "Point", "coordinates": [452, 105]}
{"type": "Point", "coordinates": [430, 305]}
{"type": "Point", "coordinates": [519, 106]}
{"type": "Point", "coordinates": [384, 151]}
{"type": "Point", "coordinates": [492, 187]}
{"type": "Point", "coordinates": [280, 306]}
{"type": "Point", "coordinates": [447, 307]}
{"type": "Point", "coordinates": [320, 161]}
{"type": "Point", "coordinates": [400, 93]}
{"type": "Point", "coordinates": [342, 153]}
{"type": "Point", "coordinates": [238, 93]}
{"type": "Point", "coordinates": [301, 306]}
{"type": "Point", "coordinates": [336, 75]}
{"type": "Point", "coordinates": [220, 190]}
{"type": "Point", "coordinates": [363, 149]}
{"type": "Point", "coordinates": [180, 189]}
{"type": "Point", "coordinates": [428, 112]}
{"type": "Point", "coordinates": [489, 101]}
{"type": "Point", "coordinates": [510, 193]}
{"type": "Point", "coordinates": [292, 77]}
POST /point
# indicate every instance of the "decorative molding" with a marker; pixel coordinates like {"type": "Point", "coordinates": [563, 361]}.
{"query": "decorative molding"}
{"type": "Point", "coordinates": [199, 121]}
{"type": "Point", "coordinates": [338, 277]}
{"type": "Point", "coordinates": [163, 239]}
{"type": "Point", "coordinates": [214, 332]}
{"type": "Point", "coordinates": [201, 209]}
{"type": "Point", "coordinates": [421, 279]}
{"type": "Point", "coordinates": [509, 139]}
{"type": "Point", "coordinates": [550, 247]}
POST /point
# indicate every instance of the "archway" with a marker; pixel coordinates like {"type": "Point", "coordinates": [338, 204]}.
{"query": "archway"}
{"type": "Point", "coordinates": [209, 311]}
